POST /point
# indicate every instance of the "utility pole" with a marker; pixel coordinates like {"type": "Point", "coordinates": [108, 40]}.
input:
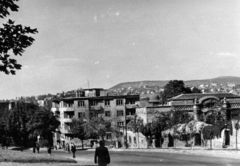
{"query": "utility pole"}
{"type": "Point", "coordinates": [125, 124]}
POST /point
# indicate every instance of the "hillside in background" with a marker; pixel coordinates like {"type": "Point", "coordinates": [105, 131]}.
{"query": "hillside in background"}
{"type": "Point", "coordinates": [218, 80]}
{"type": "Point", "coordinates": [226, 84]}
{"type": "Point", "coordinates": [222, 84]}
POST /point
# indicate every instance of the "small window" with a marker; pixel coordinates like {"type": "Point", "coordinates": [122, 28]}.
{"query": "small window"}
{"type": "Point", "coordinates": [120, 124]}
{"type": "Point", "coordinates": [81, 104]}
{"type": "Point", "coordinates": [130, 101]}
{"type": "Point", "coordinates": [119, 113]}
{"type": "Point", "coordinates": [93, 115]}
{"type": "Point", "coordinates": [93, 103]}
{"type": "Point", "coordinates": [119, 102]}
{"type": "Point", "coordinates": [80, 115]}
{"type": "Point", "coordinates": [107, 102]}
{"type": "Point", "coordinates": [107, 113]}
{"type": "Point", "coordinates": [109, 136]}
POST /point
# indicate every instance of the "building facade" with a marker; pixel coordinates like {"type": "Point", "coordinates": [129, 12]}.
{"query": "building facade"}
{"type": "Point", "coordinates": [89, 103]}
{"type": "Point", "coordinates": [202, 106]}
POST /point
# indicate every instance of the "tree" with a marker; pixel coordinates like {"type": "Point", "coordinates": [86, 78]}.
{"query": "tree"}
{"type": "Point", "coordinates": [98, 127]}
{"type": "Point", "coordinates": [196, 90]}
{"type": "Point", "coordinates": [218, 122]}
{"type": "Point", "coordinates": [3, 123]}
{"type": "Point", "coordinates": [77, 129]}
{"type": "Point", "coordinates": [17, 119]}
{"type": "Point", "coordinates": [26, 121]}
{"type": "Point", "coordinates": [13, 38]}
{"type": "Point", "coordinates": [135, 124]}
{"type": "Point", "coordinates": [174, 88]}
{"type": "Point", "coordinates": [43, 123]}
{"type": "Point", "coordinates": [146, 131]}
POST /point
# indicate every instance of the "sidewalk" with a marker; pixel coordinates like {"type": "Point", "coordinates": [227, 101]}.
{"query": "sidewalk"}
{"type": "Point", "coordinates": [224, 153]}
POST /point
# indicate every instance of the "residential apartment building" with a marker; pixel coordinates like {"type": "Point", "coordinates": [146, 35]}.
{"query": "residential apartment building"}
{"type": "Point", "coordinates": [89, 103]}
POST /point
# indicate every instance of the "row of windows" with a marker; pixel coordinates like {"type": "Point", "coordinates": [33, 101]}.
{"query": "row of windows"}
{"type": "Point", "coordinates": [119, 113]}
{"type": "Point", "coordinates": [107, 103]}
{"type": "Point", "coordinates": [82, 114]}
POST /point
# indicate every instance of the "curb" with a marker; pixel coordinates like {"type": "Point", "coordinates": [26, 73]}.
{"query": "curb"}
{"type": "Point", "coordinates": [230, 153]}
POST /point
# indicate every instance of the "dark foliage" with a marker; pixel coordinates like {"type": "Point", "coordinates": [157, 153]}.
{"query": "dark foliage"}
{"type": "Point", "coordinates": [27, 120]}
{"type": "Point", "coordinates": [174, 88]}
{"type": "Point", "coordinates": [13, 38]}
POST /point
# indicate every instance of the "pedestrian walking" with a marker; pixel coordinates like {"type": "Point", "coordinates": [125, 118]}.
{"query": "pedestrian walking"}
{"type": "Point", "coordinates": [68, 147]}
{"type": "Point", "coordinates": [49, 150]}
{"type": "Point", "coordinates": [37, 147]}
{"type": "Point", "coordinates": [102, 155]}
{"type": "Point", "coordinates": [73, 149]}
{"type": "Point", "coordinates": [34, 148]}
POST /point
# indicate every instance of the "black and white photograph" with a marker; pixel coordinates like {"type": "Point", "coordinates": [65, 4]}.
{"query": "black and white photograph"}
{"type": "Point", "coordinates": [119, 82]}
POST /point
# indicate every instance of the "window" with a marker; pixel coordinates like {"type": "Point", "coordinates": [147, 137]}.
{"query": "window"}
{"type": "Point", "coordinates": [120, 124]}
{"type": "Point", "coordinates": [108, 136]}
{"type": "Point", "coordinates": [119, 113]}
{"type": "Point", "coordinates": [107, 113]}
{"type": "Point", "coordinates": [119, 102]}
{"type": "Point", "coordinates": [130, 139]}
{"type": "Point", "coordinates": [93, 115]}
{"type": "Point", "coordinates": [81, 104]}
{"type": "Point", "coordinates": [81, 115]}
{"type": "Point", "coordinates": [130, 112]}
{"type": "Point", "coordinates": [93, 103]}
{"type": "Point", "coordinates": [107, 102]}
{"type": "Point", "coordinates": [130, 101]}
{"type": "Point", "coordinates": [134, 140]}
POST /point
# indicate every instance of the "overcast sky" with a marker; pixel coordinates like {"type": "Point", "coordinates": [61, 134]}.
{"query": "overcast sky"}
{"type": "Point", "coordinates": [113, 41]}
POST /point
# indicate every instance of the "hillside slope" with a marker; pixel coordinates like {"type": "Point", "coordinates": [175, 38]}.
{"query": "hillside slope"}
{"type": "Point", "coordinates": [138, 84]}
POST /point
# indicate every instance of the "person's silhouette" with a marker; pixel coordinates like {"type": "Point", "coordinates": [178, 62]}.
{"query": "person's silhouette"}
{"type": "Point", "coordinates": [102, 155]}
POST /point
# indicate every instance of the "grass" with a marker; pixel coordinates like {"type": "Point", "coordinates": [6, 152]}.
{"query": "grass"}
{"type": "Point", "coordinates": [17, 158]}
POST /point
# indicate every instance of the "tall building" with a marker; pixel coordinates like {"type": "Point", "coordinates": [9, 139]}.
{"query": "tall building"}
{"type": "Point", "coordinates": [89, 103]}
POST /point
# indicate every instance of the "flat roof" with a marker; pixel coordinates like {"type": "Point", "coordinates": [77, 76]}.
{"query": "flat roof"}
{"type": "Point", "coordinates": [192, 96]}
{"type": "Point", "coordinates": [99, 97]}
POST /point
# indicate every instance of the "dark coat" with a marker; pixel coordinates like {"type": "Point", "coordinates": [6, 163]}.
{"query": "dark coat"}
{"type": "Point", "coordinates": [102, 155]}
{"type": "Point", "coordinates": [73, 148]}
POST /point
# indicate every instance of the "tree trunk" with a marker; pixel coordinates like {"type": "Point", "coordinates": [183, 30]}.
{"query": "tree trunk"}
{"type": "Point", "coordinates": [82, 144]}
{"type": "Point", "coordinates": [191, 142]}
{"type": "Point", "coordinates": [210, 143]}
{"type": "Point", "coordinates": [175, 143]}
{"type": "Point", "coordinates": [160, 140]}
{"type": "Point", "coordinates": [138, 139]}
{"type": "Point", "coordinates": [236, 139]}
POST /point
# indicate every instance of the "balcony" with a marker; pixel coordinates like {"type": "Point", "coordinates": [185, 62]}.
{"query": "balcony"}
{"type": "Point", "coordinates": [130, 117]}
{"type": "Point", "coordinates": [67, 109]}
{"type": "Point", "coordinates": [130, 106]}
{"type": "Point", "coordinates": [96, 108]}
{"type": "Point", "coordinates": [66, 120]}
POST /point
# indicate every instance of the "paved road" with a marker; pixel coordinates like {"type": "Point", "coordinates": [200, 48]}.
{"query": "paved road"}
{"type": "Point", "coordinates": [130, 158]}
